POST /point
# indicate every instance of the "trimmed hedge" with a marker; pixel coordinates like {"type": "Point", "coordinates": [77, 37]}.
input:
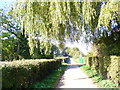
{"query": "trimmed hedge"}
{"type": "Point", "coordinates": [114, 70]}
{"type": "Point", "coordinates": [22, 74]}
{"type": "Point", "coordinates": [107, 67]}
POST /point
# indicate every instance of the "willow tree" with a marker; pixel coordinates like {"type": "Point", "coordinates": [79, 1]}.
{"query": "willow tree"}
{"type": "Point", "coordinates": [49, 21]}
{"type": "Point", "coordinates": [109, 12]}
{"type": "Point", "coordinates": [62, 21]}
{"type": "Point", "coordinates": [107, 42]}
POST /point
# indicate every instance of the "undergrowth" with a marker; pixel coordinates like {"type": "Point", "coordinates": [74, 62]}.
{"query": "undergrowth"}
{"type": "Point", "coordinates": [97, 79]}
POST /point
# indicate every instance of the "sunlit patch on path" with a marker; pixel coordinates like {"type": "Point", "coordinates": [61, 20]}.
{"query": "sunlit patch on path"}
{"type": "Point", "coordinates": [75, 78]}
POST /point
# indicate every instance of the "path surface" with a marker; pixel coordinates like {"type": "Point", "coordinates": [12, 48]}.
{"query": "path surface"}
{"type": "Point", "coordinates": [75, 78]}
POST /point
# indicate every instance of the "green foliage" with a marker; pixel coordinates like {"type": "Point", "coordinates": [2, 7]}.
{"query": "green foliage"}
{"type": "Point", "coordinates": [109, 11]}
{"type": "Point", "coordinates": [52, 20]}
{"type": "Point", "coordinates": [14, 42]}
{"type": "Point", "coordinates": [107, 46]}
{"type": "Point", "coordinates": [97, 79]}
{"type": "Point", "coordinates": [67, 50]}
{"type": "Point", "coordinates": [21, 74]}
{"type": "Point", "coordinates": [77, 60]}
{"type": "Point", "coordinates": [91, 74]}
{"type": "Point", "coordinates": [106, 84]}
{"type": "Point", "coordinates": [51, 80]}
{"type": "Point", "coordinates": [74, 52]}
{"type": "Point", "coordinates": [44, 22]}
{"type": "Point", "coordinates": [106, 66]}
{"type": "Point", "coordinates": [84, 58]}
{"type": "Point", "coordinates": [113, 69]}
{"type": "Point", "coordinates": [91, 12]}
{"type": "Point", "coordinates": [40, 52]}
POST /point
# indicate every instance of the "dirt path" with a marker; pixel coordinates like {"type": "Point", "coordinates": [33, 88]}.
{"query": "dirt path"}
{"type": "Point", "coordinates": [75, 78]}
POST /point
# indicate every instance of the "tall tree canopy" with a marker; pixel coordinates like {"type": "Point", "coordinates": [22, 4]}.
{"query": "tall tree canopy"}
{"type": "Point", "coordinates": [14, 42]}
{"type": "Point", "coordinates": [61, 21]}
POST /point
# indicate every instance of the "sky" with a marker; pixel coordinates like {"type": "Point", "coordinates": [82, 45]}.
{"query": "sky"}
{"type": "Point", "coordinates": [83, 47]}
{"type": "Point", "coordinates": [6, 4]}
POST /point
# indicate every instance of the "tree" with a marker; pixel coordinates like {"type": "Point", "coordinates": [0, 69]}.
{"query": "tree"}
{"type": "Point", "coordinates": [44, 18]}
{"type": "Point", "coordinates": [73, 52]}
{"type": "Point", "coordinates": [63, 21]}
{"type": "Point", "coordinates": [14, 42]}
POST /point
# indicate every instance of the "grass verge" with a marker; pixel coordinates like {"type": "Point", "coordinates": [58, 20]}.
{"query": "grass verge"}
{"type": "Point", "coordinates": [97, 79]}
{"type": "Point", "coordinates": [51, 80]}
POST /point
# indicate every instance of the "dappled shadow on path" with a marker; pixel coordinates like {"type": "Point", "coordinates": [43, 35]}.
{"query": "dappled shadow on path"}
{"type": "Point", "coordinates": [69, 66]}
{"type": "Point", "coordinates": [81, 78]}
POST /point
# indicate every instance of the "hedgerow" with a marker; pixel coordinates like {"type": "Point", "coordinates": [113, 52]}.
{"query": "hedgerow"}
{"type": "Point", "coordinates": [22, 74]}
{"type": "Point", "coordinates": [107, 67]}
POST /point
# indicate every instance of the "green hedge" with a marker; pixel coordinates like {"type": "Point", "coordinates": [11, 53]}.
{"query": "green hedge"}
{"type": "Point", "coordinates": [22, 74]}
{"type": "Point", "coordinates": [114, 70]}
{"type": "Point", "coordinates": [107, 67]}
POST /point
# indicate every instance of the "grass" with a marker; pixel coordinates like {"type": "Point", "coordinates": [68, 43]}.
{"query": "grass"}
{"type": "Point", "coordinates": [97, 79]}
{"type": "Point", "coordinates": [51, 80]}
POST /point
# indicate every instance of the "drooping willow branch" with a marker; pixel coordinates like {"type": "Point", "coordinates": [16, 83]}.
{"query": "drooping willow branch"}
{"type": "Point", "coordinates": [62, 20]}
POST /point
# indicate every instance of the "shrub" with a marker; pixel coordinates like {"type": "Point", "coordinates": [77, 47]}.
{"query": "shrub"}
{"type": "Point", "coordinates": [113, 69]}
{"type": "Point", "coordinates": [21, 74]}
{"type": "Point", "coordinates": [98, 80]}
{"type": "Point", "coordinates": [107, 67]}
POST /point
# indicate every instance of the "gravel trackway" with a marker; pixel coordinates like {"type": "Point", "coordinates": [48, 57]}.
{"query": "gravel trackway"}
{"type": "Point", "coordinates": [74, 77]}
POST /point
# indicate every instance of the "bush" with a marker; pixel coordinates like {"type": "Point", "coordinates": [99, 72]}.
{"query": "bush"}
{"type": "Point", "coordinates": [107, 67]}
{"type": "Point", "coordinates": [22, 74]}
{"type": "Point", "coordinates": [113, 70]}
{"type": "Point", "coordinates": [97, 79]}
